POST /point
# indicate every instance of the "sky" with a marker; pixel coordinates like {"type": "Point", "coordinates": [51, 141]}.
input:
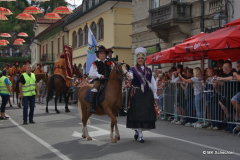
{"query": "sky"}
{"type": "Point", "coordinates": [77, 2]}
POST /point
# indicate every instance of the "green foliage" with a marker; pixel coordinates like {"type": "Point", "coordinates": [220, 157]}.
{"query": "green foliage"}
{"type": "Point", "coordinates": [12, 23]}
{"type": "Point", "coordinates": [11, 60]}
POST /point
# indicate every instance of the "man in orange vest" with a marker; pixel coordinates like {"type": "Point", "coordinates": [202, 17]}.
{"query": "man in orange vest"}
{"type": "Point", "coordinates": [14, 73]}
{"type": "Point", "coordinates": [39, 69]}
{"type": "Point", "coordinates": [23, 70]}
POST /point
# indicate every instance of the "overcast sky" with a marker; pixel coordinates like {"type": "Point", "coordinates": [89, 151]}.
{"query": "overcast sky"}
{"type": "Point", "coordinates": [77, 2]}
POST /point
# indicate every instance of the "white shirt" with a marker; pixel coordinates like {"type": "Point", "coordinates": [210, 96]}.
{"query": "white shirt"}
{"type": "Point", "coordinates": [153, 84]}
{"type": "Point", "coordinates": [174, 79]}
{"type": "Point", "coordinates": [93, 73]}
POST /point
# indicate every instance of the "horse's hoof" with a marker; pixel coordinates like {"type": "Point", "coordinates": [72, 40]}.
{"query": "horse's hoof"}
{"type": "Point", "coordinates": [114, 141]}
{"type": "Point", "coordinates": [67, 110]}
{"type": "Point", "coordinates": [57, 112]}
{"type": "Point", "coordinates": [42, 103]}
{"type": "Point", "coordinates": [89, 138]}
{"type": "Point", "coordinates": [118, 138]}
{"type": "Point", "coordinates": [10, 105]}
{"type": "Point", "coordinates": [47, 112]}
{"type": "Point", "coordinates": [84, 136]}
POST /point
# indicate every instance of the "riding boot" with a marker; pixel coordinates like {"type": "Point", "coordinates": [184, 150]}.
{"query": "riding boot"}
{"type": "Point", "coordinates": [93, 101]}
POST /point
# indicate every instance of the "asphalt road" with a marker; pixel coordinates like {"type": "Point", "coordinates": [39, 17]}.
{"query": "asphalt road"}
{"type": "Point", "coordinates": [58, 136]}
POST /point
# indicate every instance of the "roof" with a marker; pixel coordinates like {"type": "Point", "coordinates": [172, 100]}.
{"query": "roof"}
{"type": "Point", "coordinates": [42, 20]}
{"type": "Point", "coordinates": [80, 12]}
{"type": "Point", "coordinates": [56, 24]}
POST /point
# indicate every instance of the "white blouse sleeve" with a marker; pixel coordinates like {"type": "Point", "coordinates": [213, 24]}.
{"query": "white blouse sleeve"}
{"type": "Point", "coordinates": [93, 73]}
{"type": "Point", "coordinates": [154, 87]}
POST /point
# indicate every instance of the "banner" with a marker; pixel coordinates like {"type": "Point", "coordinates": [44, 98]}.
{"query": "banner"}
{"type": "Point", "coordinates": [68, 60]}
{"type": "Point", "coordinates": [91, 55]}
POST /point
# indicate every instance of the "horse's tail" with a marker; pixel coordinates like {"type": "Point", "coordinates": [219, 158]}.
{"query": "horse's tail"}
{"type": "Point", "coordinates": [80, 111]}
{"type": "Point", "coordinates": [51, 88]}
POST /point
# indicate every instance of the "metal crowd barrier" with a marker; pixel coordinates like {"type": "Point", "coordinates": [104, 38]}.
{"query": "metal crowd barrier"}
{"type": "Point", "coordinates": [179, 102]}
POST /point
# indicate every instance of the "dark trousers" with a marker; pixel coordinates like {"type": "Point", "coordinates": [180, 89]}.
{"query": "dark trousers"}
{"type": "Point", "coordinates": [31, 100]}
{"type": "Point", "coordinates": [5, 99]}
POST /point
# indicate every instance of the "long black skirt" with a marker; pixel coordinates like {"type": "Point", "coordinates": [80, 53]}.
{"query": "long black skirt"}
{"type": "Point", "coordinates": [141, 113]}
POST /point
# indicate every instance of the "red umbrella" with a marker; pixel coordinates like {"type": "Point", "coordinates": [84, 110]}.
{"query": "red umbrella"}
{"type": "Point", "coordinates": [52, 16]}
{"type": "Point", "coordinates": [33, 10]}
{"type": "Point", "coordinates": [19, 40]}
{"type": "Point", "coordinates": [5, 35]}
{"type": "Point", "coordinates": [22, 34]}
{"type": "Point", "coordinates": [233, 23]}
{"type": "Point", "coordinates": [194, 37]}
{"type": "Point", "coordinates": [3, 17]}
{"type": "Point", "coordinates": [25, 16]}
{"type": "Point", "coordinates": [5, 11]}
{"type": "Point", "coordinates": [4, 41]}
{"type": "Point", "coordinates": [17, 43]}
{"type": "Point", "coordinates": [3, 44]}
{"type": "Point", "coordinates": [62, 10]}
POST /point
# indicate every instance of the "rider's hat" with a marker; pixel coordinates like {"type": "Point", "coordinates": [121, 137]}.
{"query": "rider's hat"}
{"type": "Point", "coordinates": [7, 64]}
{"type": "Point", "coordinates": [39, 64]}
{"type": "Point", "coordinates": [102, 49]}
{"type": "Point", "coordinates": [62, 56]}
{"type": "Point", "coordinates": [16, 62]}
{"type": "Point", "coordinates": [27, 61]}
{"type": "Point", "coordinates": [110, 50]}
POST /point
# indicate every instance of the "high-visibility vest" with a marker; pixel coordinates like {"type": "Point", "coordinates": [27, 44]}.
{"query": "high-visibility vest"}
{"type": "Point", "coordinates": [3, 86]}
{"type": "Point", "coordinates": [28, 89]}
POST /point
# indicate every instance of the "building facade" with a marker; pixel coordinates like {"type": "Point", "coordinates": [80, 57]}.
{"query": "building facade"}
{"type": "Point", "coordinates": [166, 23]}
{"type": "Point", "coordinates": [110, 22]}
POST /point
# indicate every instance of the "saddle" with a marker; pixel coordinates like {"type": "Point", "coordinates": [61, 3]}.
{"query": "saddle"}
{"type": "Point", "coordinates": [100, 96]}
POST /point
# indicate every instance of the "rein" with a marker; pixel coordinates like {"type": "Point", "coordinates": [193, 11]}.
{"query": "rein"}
{"type": "Point", "coordinates": [118, 72]}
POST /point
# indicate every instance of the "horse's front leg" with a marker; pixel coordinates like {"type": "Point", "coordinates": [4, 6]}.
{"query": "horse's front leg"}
{"type": "Point", "coordinates": [66, 105]}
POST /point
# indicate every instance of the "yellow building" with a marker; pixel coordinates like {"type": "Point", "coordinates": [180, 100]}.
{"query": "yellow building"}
{"type": "Point", "coordinates": [110, 22]}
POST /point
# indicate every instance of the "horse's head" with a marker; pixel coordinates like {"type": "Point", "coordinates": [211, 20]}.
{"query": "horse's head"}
{"type": "Point", "coordinates": [120, 70]}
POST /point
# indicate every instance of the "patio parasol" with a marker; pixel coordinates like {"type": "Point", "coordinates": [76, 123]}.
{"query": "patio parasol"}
{"type": "Point", "coordinates": [63, 10]}
{"type": "Point", "coordinates": [22, 34]}
{"type": "Point", "coordinates": [5, 35]}
{"type": "Point", "coordinates": [33, 10]}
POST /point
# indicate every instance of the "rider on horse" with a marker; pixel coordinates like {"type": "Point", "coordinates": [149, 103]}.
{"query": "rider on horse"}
{"type": "Point", "coordinates": [59, 68]}
{"type": "Point", "coordinates": [39, 69]}
{"type": "Point", "coordinates": [14, 74]}
{"type": "Point", "coordinates": [23, 70]}
{"type": "Point", "coordinates": [100, 70]}
{"type": "Point", "coordinates": [8, 67]}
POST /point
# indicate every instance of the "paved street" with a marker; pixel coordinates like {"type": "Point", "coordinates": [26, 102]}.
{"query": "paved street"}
{"type": "Point", "coordinates": [58, 136]}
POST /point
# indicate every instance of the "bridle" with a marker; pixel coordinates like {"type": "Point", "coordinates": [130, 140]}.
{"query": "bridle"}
{"type": "Point", "coordinates": [118, 72]}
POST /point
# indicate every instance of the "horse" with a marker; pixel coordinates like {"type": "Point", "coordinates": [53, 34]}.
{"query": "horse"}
{"type": "Point", "coordinates": [16, 90]}
{"type": "Point", "coordinates": [111, 104]}
{"type": "Point", "coordinates": [58, 84]}
{"type": "Point", "coordinates": [42, 90]}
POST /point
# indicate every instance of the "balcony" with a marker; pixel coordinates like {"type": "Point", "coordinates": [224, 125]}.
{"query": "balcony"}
{"type": "Point", "coordinates": [48, 58]}
{"type": "Point", "coordinates": [170, 16]}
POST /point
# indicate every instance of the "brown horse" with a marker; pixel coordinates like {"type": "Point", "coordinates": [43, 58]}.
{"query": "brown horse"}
{"type": "Point", "coordinates": [58, 84]}
{"type": "Point", "coordinates": [111, 104]}
{"type": "Point", "coordinates": [16, 90]}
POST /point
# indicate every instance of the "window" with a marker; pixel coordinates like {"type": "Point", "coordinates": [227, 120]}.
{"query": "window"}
{"type": "Point", "coordinates": [101, 29]}
{"type": "Point", "coordinates": [96, 1]}
{"type": "Point", "coordinates": [74, 42]}
{"type": "Point", "coordinates": [90, 3]}
{"type": "Point", "coordinates": [154, 4]}
{"type": "Point", "coordinates": [80, 33]}
{"type": "Point", "coordinates": [58, 45]}
{"type": "Point", "coordinates": [86, 35]}
{"type": "Point", "coordinates": [94, 29]}
{"type": "Point", "coordinates": [84, 6]}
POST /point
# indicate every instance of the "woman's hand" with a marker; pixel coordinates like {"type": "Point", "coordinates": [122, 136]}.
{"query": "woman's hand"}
{"type": "Point", "coordinates": [129, 76]}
